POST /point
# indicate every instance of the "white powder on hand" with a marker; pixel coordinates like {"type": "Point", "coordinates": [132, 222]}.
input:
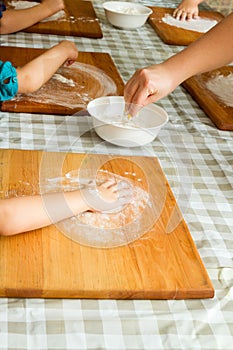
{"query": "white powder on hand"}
{"type": "Point", "coordinates": [222, 87]}
{"type": "Point", "coordinates": [201, 25]}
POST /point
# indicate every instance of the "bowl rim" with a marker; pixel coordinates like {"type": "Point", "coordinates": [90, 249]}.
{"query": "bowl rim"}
{"type": "Point", "coordinates": [129, 4]}
{"type": "Point", "coordinates": [118, 99]}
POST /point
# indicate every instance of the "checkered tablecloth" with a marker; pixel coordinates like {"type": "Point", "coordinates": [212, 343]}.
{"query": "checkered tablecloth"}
{"type": "Point", "coordinates": [197, 159]}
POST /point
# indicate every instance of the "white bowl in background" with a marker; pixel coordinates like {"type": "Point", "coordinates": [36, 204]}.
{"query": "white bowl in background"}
{"type": "Point", "coordinates": [108, 121]}
{"type": "Point", "coordinates": [126, 15]}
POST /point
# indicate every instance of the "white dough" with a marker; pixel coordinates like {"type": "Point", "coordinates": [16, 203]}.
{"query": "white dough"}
{"type": "Point", "coordinates": [201, 25]}
{"type": "Point", "coordinates": [222, 87]}
{"type": "Point", "coordinates": [21, 5]}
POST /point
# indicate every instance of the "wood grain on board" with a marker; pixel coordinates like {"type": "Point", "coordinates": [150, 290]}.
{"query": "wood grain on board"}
{"type": "Point", "coordinates": [20, 56]}
{"type": "Point", "coordinates": [80, 21]}
{"type": "Point", "coordinates": [45, 263]}
{"type": "Point", "coordinates": [173, 35]}
{"type": "Point", "coordinates": [220, 114]}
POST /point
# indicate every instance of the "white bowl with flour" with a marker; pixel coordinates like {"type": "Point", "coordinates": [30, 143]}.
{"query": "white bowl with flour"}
{"type": "Point", "coordinates": [126, 15]}
{"type": "Point", "coordinates": [111, 125]}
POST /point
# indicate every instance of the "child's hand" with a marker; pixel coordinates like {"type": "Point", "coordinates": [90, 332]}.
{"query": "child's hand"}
{"type": "Point", "coordinates": [70, 51]}
{"type": "Point", "coordinates": [108, 196]}
{"type": "Point", "coordinates": [54, 5]}
{"type": "Point", "coordinates": [188, 9]}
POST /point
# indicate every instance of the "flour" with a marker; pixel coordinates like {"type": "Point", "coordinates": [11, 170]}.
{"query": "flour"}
{"type": "Point", "coordinates": [201, 25]}
{"type": "Point", "coordinates": [129, 10]}
{"type": "Point", "coordinates": [72, 87]}
{"type": "Point", "coordinates": [99, 229]}
{"type": "Point", "coordinates": [222, 87]}
{"type": "Point", "coordinates": [21, 5]}
{"type": "Point", "coordinates": [63, 79]}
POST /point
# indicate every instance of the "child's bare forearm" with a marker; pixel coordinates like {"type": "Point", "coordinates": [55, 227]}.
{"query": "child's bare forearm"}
{"type": "Point", "coordinates": [37, 72]}
{"type": "Point", "coordinates": [22, 214]}
{"type": "Point", "coordinates": [16, 20]}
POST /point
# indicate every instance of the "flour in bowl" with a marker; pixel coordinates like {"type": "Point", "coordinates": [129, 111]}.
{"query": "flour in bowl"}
{"type": "Point", "coordinates": [21, 5]}
{"type": "Point", "coordinates": [222, 87]}
{"type": "Point", "coordinates": [201, 25]}
{"type": "Point", "coordinates": [129, 10]}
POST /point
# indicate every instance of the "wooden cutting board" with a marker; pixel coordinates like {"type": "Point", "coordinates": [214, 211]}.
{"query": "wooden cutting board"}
{"type": "Point", "coordinates": [85, 84]}
{"type": "Point", "coordinates": [80, 21]}
{"type": "Point", "coordinates": [45, 263]}
{"type": "Point", "coordinates": [220, 114]}
{"type": "Point", "coordinates": [173, 35]}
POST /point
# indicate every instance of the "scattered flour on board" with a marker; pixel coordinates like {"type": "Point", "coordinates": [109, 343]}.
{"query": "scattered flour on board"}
{"type": "Point", "coordinates": [201, 25]}
{"type": "Point", "coordinates": [63, 79]}
{"type": "Point", "coordinates": [20, 5]}
{"type": "Point", "coordinates": [73, 87]}
{"type": "Point", "coordinates": [99, 229]}
{"type": "Point", "coordinates": [222, 87]}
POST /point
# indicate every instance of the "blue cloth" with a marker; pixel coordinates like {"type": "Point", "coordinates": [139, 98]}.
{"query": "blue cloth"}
{"type": "Point", "coordinates": [2, 8]}
{"type": "Point", "coordinates": [8, 81]}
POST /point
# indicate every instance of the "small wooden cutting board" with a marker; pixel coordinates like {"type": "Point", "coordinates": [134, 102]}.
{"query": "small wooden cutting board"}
{"type": "Point", "coordinates": [47, 264]}
{"type": "Point", "coordinates": [80, 20]}
{"type": "Point", "coordinates": [173, 35]}
{"type": "Point", "coordinates": [220, 114]}
{"type": "Point", "coordinates": [87, 85]}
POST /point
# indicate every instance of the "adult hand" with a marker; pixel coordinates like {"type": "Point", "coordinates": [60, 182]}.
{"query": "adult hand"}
{"type": "Point", "coordinates": [147, 85]}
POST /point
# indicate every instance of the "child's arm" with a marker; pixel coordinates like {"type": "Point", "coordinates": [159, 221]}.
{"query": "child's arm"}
{"type": "Point", "coordinates": [211, 51]}
{"type": "Point", "coordinates": [187, 10]}
{"type": "Point", "coordinates": [37, 72]}
{"type": "Point", "coordinates": [15, 20]}
{"type": "Point", "coordinates": [22, 214]}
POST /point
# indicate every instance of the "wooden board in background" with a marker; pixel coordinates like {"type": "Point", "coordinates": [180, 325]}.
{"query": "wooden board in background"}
{"type": "Point", "coordinates": [220, 114]}
{"type": "Point", "coordinates": [20, 56]}
{"type": "Point", "coordinates": [173, 35]}
{"type": "Point", "coordinates": [80, 21]}
{"type": "Point", "coordinates": [44, 263]}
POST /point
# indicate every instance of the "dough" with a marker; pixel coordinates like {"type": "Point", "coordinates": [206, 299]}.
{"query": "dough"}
{"type": "Point", "coordinates": [201, 25]}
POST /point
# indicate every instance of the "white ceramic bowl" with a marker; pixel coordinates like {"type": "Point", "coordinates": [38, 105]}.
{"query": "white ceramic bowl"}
{"type": "Point", "coordinates": [126, 15]}
{"type": "Point", "coordinates": [108, 121]}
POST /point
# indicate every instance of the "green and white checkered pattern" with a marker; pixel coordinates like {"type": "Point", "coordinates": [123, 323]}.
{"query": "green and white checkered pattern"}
{"type": "Point", "coordinates": [189, 138]}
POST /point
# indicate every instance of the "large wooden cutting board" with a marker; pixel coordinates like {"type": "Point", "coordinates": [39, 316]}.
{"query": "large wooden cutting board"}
{"type": "Point", "coordinates": [103, 61]}
{"type": "Point", "coordinates": [173, 35]}
{"type": "Point", "coordinates": [80, 21]}
{"type": "Point", "coordinates": [218, 112]}
{"type": "Point", "coordinates": [45, 263]}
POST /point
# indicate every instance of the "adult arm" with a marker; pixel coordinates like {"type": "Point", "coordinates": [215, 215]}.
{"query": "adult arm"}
{"type": "Point", "coordinates": [212, 50]}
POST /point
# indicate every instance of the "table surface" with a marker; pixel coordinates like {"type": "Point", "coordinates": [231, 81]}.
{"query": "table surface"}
{"type": "Point", "coordinates": [198, 162]}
